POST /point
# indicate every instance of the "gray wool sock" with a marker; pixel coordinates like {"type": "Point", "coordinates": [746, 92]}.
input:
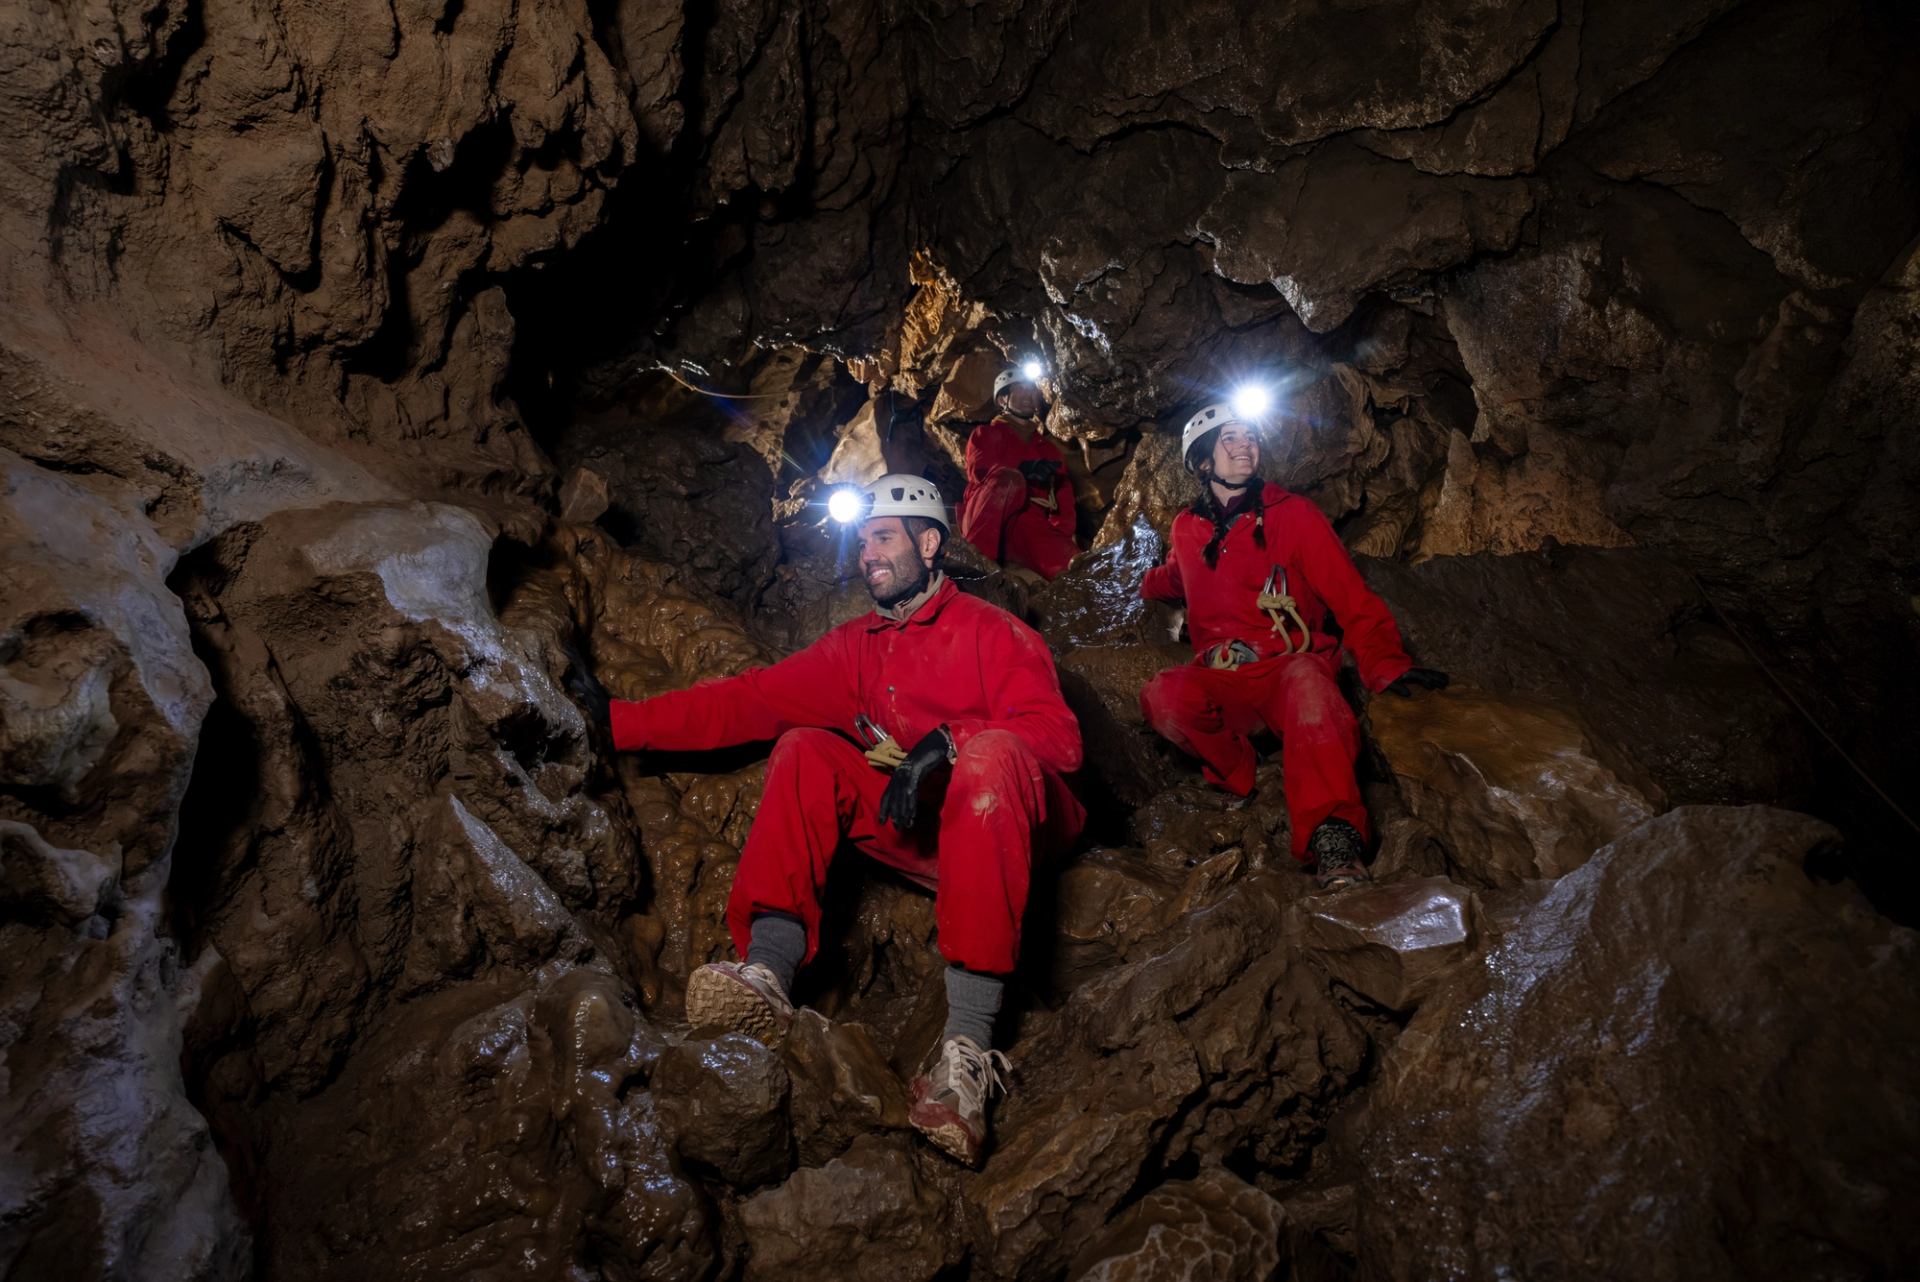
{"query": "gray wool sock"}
{"type": "Point", "coordinates": [778, 942]}
{"type": "Point", "coordinates": [973, 1000]}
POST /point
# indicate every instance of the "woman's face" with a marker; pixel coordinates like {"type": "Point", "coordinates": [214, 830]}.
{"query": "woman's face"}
{"type": "Point", "coordinates": [1022, 398]}
{"type": "Point", "coordinates": [1236, 453]}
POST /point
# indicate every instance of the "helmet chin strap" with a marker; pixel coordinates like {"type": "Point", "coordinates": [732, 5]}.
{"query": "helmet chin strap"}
{"type": "Point", "coordinates": [1233, 485]}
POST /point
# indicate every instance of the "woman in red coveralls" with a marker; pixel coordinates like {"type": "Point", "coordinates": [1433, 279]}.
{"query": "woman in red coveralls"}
{"type": "Point", "coordinates": [1018, 508]}
{"type": "Point", "coordinates": [1262, 575]}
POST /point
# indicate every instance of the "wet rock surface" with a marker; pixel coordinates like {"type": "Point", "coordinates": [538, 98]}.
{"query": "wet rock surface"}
{"type": "Point", "coordinates": [334, 945]}
{"type": "Point", "coordinates": [1513, 791]}
{"type": "Point", "coordinates": [867, 1214]}
{"type": "Point", "coordinates": [1667, 1013]}
{"type": "Point", "coordinates": [1393, 944]}
{"type": "Point", "coordinates": [1213, 1227]}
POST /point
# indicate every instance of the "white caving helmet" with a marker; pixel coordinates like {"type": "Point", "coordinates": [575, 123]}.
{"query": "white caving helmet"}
{"type": "Point", "coordinates": [1012, 375]}
{"type": "Point", "coordinates": [1210, 419]}
{"type": "Point", "coordinates": [902, 494]}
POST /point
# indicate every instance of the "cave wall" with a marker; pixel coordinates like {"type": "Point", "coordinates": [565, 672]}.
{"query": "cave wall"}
{"type": "Point", "coordinates": [299, 308]}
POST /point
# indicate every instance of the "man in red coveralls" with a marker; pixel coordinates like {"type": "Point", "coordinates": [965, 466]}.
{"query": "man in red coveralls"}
{"type": "Point", "coordinates": [1018, 508]}
{"type": "Point", "coordinates": [1262, 574]}
{"type": "Point", "coordinates": [974, 691]}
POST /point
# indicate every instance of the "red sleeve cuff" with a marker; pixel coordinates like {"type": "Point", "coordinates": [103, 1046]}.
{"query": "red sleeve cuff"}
{"type": "Point", "coordinates": [628, 724]}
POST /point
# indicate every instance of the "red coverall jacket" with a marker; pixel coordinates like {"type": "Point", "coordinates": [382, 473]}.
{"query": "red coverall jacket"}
{"type": "Point", "coordinates": [1211, 712]}
{"type": "Point", "coordinates": [957, 662]}
{"type": "Point", "coordinates": [998, 513]}
{"type": "Point", "coordinates": [1320, 576]}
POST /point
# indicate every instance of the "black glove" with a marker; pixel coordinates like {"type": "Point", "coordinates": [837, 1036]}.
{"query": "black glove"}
{"type": "Point", "coordinates": [1424, 678]}
{"type": "Point", "coordinates": [900, 803]}
{"type": "Point", "coordinates": [1039, 471]}
{"type": "Point", "coordinates": [581, 687]}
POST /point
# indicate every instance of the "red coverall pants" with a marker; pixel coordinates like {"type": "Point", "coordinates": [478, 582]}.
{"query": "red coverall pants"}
{"type": "Point", "coordinates": [1001, 520]}
{"type": "Point", "coordinates": [976, 858]}
{"type": "Point", "coordinates": [1211, 713]}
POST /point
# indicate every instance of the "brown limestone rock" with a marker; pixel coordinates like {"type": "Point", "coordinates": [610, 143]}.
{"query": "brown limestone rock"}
{"type": "Point", "coordinates": [356, 647]}
{"type": "Point", "coordinates": [1210, 1041]}
{"type": "Point", "coordinates": [1393, 224]}
{"type": "Point", "coordinates": [691, 498]}
{"type": "Point", "coordinates": [110, 1172]}
{"type": "Point", "coordinates": [1193, 822]}
{"type": "Point", "coordinates": [485, 1128]}
{"type": "Point", "coordinates": [1689, 1059]}
{"type": "Point", "coordinates": [1112, 906]}
{"type": "Point", "coordinates": [724, 1100]}
{"type": "Point", "coordinates": [1102, 685]}
{"type": "Point", "coordinates": [1513, 790]}
{"type": "Point", "coordinates": [866, 1216]}
{"type": "Point", "coordinates": [1215, 1226]}
{"type": "Point", "coordinates": [1391, 943]}
{"type": "Point", "coordinates": [1620, 636]}
{"type": "Point", "coordinates": [1062, 1159]}
{"type": "Point", "coordinates": [843, 1086]}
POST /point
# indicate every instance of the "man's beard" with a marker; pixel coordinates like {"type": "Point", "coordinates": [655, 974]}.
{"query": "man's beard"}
{"type": "Point", "coordinates": [902, 589]}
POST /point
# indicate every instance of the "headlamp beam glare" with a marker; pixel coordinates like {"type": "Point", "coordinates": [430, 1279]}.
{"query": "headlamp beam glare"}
{"type": "Point", "coordinates": [1032, 368]}
{"type": "Point", "coordinates": [1252, 401]}
{"type": "Point", "coordinates": [845, 504]}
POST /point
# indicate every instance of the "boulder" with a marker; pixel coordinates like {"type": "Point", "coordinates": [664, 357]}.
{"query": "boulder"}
{"type": "Point", "coordinates": [724, 1099]}
{"type": "Point", "coordinates": [1688, 1059]}
{"type": "Point", "coordinates": [1623, 637]}
{"type": "Point", "coordinates": [692, 499]}
{"type": "Point", "coordinates": [1214, 1226]}
{"type": "Point", "coordinates": [1512, 790]}
{"type": "Point", "coordinates": [866, 1216]}
{"type": "Point", "coordinates": [843, 1086]}
{"type": "Point", "coordinates": [1391, 943]}
{"type": "Point", "coordinates": [111, 1171]}
{"type": "Point", "coordinates": [483, 1129]}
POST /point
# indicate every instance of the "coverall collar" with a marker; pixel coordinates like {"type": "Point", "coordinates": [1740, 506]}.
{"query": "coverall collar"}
{"type": "Point", "coordinates": [923, 608]}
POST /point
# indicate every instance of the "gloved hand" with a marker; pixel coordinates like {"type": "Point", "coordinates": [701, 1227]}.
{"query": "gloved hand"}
{"type": "Point", "coordinates": [1039, 471]}
{"type": "Point", "coordinates": [900, 803]}
{"type": "Point", "coordinates": [1423, 678]}
{"type": "Point", "coordinates": [583, 689]}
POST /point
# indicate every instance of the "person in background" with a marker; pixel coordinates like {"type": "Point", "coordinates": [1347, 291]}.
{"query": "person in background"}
{"type": "Point", "coordinates": [1019, 505]}
{"type": "Point", "coordinates": [1264, 578]}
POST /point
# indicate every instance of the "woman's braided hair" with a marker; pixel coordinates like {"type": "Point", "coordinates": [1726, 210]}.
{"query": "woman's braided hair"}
{"type": "Point", "coordinates": [1208, 505]}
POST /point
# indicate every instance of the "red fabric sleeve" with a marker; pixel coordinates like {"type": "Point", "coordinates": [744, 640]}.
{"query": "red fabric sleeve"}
{"type": "Point", "coordinates": [1068, 516]}
{"type": "Point", "coordinates": [1025, 696]}
{"type": "Point", "coordinates": [1366, 625]}
{"type": "Point", "coordinates": [983, 456]}
{"type": "Point", "coordinates": [811, 688]}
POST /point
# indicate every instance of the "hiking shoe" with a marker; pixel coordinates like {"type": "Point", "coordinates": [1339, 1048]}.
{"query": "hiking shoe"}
{"type": "Point", "coordinates": [1337, 847]}
{"type": "Point", "coordinates": [950, 1098]}
{"type": "Point", "coordinates": [743, 996]}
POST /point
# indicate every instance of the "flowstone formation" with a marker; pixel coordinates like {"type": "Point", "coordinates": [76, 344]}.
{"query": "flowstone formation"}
{"type": "Point", "coordinates": [359, 362]}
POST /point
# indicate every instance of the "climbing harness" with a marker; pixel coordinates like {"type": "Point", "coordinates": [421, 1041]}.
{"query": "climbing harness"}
{"type": "Point", "coordinates": [1229, 655]}
{"type": "Point", "coordinates": [1279, 606]}
{"type": "Point", "coordinates": [1046, 502]}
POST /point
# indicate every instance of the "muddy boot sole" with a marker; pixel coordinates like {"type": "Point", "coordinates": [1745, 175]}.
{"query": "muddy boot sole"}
{"type": "Point", "coordinates": [944, 1129]}
{"type": "Point", "coordinates": [718, 1000]}
{"type": "Point", "coordinates": [951, 1138]}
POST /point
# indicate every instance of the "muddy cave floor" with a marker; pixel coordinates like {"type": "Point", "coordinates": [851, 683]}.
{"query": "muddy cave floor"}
{"type": "Point", "coordinates": [1574, 1029]}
